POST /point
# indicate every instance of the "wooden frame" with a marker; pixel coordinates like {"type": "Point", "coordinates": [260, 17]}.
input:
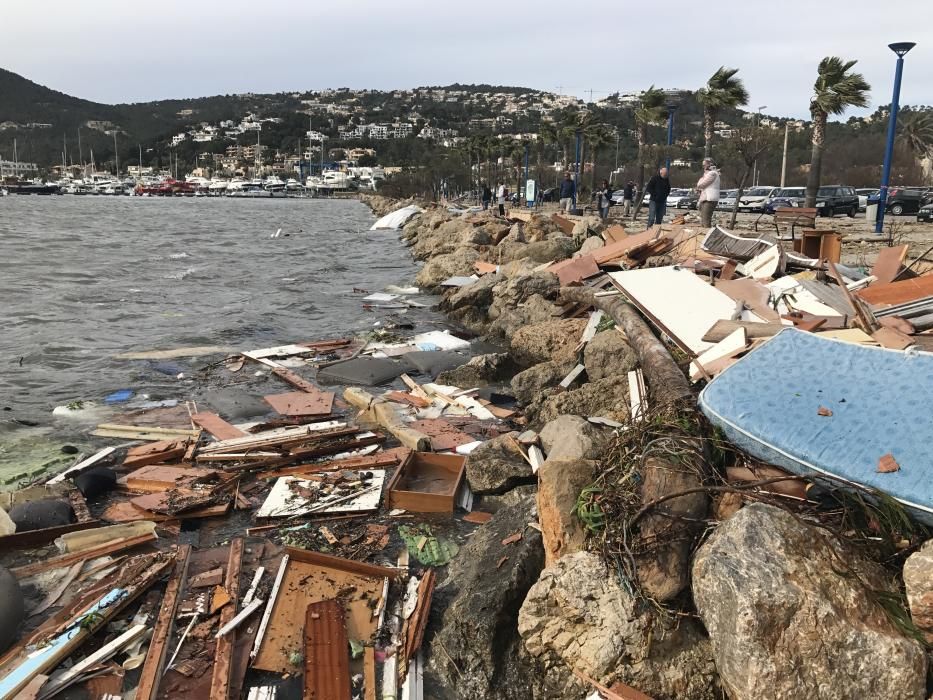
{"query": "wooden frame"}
{"type": "Point", "coordinates": [445, 471]}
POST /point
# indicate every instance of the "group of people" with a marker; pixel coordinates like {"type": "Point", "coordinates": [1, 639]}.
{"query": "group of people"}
{"type": "Point", "coordinates": [658, 190]}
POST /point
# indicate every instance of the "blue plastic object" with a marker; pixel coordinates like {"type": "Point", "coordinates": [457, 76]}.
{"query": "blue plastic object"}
{"type": "Point", "coordinates": [881, 401]}
{"type": "Point", "coordinates": [119, 396]}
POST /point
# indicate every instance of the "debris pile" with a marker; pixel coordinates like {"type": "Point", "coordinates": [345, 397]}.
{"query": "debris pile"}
{"type": "Point", "coordinates": [667, 447]}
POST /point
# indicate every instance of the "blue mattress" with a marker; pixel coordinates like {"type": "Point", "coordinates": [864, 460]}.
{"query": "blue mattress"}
{"type": "Point", "coordinates": [882, 402]}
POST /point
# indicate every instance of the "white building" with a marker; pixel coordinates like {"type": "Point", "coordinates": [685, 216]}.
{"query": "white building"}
{"type": "Point", "coordinates": [9, 168]}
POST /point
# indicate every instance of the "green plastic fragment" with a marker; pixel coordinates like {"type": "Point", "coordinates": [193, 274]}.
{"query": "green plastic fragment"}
{"type": "Point", "coordinates": [425, 547]}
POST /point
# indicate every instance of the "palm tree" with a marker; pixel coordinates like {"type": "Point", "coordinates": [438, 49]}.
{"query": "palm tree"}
{"type": "Point", "coordinates": [649, 110]}
{"type": "Point", "coordinates": [917, 134]}
{"type": "Point", "coordinates": [834, 90]}
{"type": "Point", "coordinates": [722, 90]}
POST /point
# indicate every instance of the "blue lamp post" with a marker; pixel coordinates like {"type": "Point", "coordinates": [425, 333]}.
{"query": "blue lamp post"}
{"type": "Point", "coordinates": [900, 48]}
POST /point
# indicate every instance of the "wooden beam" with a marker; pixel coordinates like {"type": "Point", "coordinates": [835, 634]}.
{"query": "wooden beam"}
{"type": "Point", "coordinates": [722, 329]}
{"type": "Point", "coordinates": [327, 652]}
{"type": "Point", "coordinates": [217, 426]}
{"type": "Point", "coordinates": [155, 658]}
{"type": "Point", "coordinates": [68, 559]}
{"type": "Point", "coordinates": [223, 654]}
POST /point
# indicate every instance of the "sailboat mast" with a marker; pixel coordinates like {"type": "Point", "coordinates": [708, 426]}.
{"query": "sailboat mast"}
{"type": "Point", "coordinates": [116, 155]}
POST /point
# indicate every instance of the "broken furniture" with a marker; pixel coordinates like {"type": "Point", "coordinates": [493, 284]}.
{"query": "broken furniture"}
{"type": "Point", "coordinates": [793, 216]}
{"type": "Point", "coordinates": [819, 244]}
{"type": "Point", "coordinates": [427, 483]}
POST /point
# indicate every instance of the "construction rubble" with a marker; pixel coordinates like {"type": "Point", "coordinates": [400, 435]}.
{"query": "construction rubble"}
{"type": "Point", "coordinates": [663, 463]}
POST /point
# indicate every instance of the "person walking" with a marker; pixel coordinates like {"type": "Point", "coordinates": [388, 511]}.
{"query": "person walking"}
{"type": "Point", "coordinates": [708, 187]}
{"type": "Point", "coordinates": [568, 192]}
{"type": "Point", "coordinates": [487, 196]}
{"type": "Point", "coordinates": [501, 193]}
{"type": "Point", "coordinates": [604, 199]}
{"type": "Point", "coordinates": [658, 188]}
{"type": "Point", "coordinates": [628, 196]}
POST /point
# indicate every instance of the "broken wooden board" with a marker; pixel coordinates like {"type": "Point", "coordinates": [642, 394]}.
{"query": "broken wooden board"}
{"type": "Point", "coordinates": [727, 347]}
{"type": "Point", "coordinates": [154, 478]}
{"type": "Point", "coordinates": [223, 652]}
{"type": "Point", "coordinates": [897, 292]}
{"type": "Point", "coordinates": [415, 626]}
{"type": "Point", "coordinates": [443, 435]}
{"type": "Point", "coordinates": [892, 339]}
{"type": "Point", "coordinates": [302, 403]}
{"type": "Point", "coordinates": [326, 652]}
{"type": "Point", "coordinates": [888, 264]}
{"type": "Point", "coordinates": [754, 295]}
{"type": "Point", "coordinates": [619, 249]}
{"type": "Point", "coordinates": [278, 437]}
{"type": "Point", "coordinates": [124, 512]}
{"type": "Point", "coordinates": [614, 233]}
{"type": "Point", "coordinates": [381, 459]}
{"type": "Point", "coordinates": [162, 632]}
{"type": "Point", "coordinates": [311, 577]}
{"type": "Point", "coordinates": [284, 501]}
{"type": "Point", "coordinates": [574, 270]}
{"type": "Point", "coordinates": [66, 560]}
{"type": "Point", "coordinates": [175, 502]}
{"type": "Point", "coordinates": [217, 426]}
{"type": "Point", "coordinates": [719, 330]}
{"type": "Point", "coordinates": [155, 453]}
{"type": "Point", "coordinates": [138, 432]}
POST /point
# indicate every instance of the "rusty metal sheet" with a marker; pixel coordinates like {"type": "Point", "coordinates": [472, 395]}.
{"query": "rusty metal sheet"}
{"type": "Point", "coordinates": [302, 403]}
{"type": "Point", "coordinates": [327, 653]}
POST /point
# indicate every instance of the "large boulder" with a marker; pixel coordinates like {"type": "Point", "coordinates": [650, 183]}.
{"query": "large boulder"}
{"type": "Point", "coordinates": [539, 227]}
{"type": "Point", "coordinates": [474, 650]}
{"type": "Point", "coordinates": [12, 609]}
{"type": "Point", "coordinates": [439, 268]}
{"type": "Point", "coordinates": [497, 466]}
{"type": "Point", "coordinates": [789, 614]}
{"type": "Point", "coordinates": [529, 384]}
{"type": "Point", "coordinates": [514, 290]}
{"type": "Point", "coordinates": [918, 580]}
{"type": "Point", "coordinates": [573, 437]}
{"type": "Point", "coordinates": [560, 482]}
{"type": "Point", "coordinates": [554, 340]}
{"type": "Point", "coordinates": [476, 295]}
{"type": "Point", "coordinates": [608, 354]}
{"type": "Point", "coordinates": [557, 248]}
{"type": "Point", "coordinates": [578, 615]}
{"type": "Point", "coordinates": [481, 370]}
{"type": "Point", "coordinates": [506, 320]}
{"type": "Point", "coordinates": [605, 397]}
{"type": "Point", "coordinates": [589, 245]}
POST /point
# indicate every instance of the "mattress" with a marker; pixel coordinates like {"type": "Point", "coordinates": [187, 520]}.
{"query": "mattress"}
{"type": "Point", "coordinates": [881, 402]}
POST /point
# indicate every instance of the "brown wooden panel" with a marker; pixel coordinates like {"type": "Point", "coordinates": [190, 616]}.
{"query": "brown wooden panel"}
{"type": "Point", "coordinates": [223, 653]}
{"type": "Point", "coordinates": [614, 251]}
{"type": "Point", "coordinates": [574, 269]}
{"type": "Point", "coordinates": [217, 426]}
{"type": "Point", "coordinates": [302, 403]}
{"type": "Point", "coordinates": [162, 633]}
{"type": "Point", "coordinates": [155, 452]}
{"type": "Point", "coordinates": [888, 263]}
{"type": "Point", "coordinates": [64, 560]}
{"type": "Point", "coordinates": [443, 435]}
{"type": "Point", "coordinates": [897, 292]}
{"type": "Point", "coordinates": [327, 654]}
{"type": "Point", "coordinates": [154, 478]}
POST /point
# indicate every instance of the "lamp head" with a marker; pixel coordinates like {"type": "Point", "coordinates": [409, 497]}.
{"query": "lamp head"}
{"type": "Point", "coordinates": [901, 47]}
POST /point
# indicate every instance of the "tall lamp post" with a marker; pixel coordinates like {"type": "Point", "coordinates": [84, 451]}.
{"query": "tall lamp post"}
{"type": "Point", "coordinates": [900, 48]}
{"type": "Point", "coordinates": [673, 100]}
{"type": "Point", "coordinates": [757, 124]}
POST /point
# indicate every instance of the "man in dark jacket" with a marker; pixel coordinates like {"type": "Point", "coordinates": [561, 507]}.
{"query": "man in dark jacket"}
{"type": "Point", "coordinates": [487, 196]}
{"type": "Point", "coordinates": [628, 196]}
{"type": "Point", "coordinates": [658, 188]}
{"type": "Point", "coordinates": [568, 193]}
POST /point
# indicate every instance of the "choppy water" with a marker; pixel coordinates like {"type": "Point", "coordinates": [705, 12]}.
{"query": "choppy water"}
{"type": "Point", "coordinates": [85, 278]}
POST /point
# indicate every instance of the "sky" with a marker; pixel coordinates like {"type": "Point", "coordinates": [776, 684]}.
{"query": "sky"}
{"type": "Point", "coordinates": [122, 51]}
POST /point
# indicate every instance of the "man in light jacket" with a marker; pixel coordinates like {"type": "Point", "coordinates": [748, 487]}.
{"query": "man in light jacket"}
{"type": "Point", "coordinates": [708, 187]}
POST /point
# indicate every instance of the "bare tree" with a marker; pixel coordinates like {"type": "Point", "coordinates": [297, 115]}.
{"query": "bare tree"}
{"type": "Point", "coordinates": [746, 146]}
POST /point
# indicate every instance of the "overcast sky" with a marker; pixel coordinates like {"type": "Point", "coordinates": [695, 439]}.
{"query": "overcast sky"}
{"type": "Point", "coordinates": [125, 51]}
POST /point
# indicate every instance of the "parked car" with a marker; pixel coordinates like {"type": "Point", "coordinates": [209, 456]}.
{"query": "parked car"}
{"type": "Point", "coordinates": [689, 201]}
{"type": "Point", "coordinates": [787, 197]}
{"type": "Point", "coordinates": [925, 213]}
{"type": "Point", "coordinates": [863, 196]}
{"type": "Point", "coordinates": [903, 200]}
{"type": "Point", "coordinates": [830, 200]}
{"type": "Point", "coordinates": [727, 199]}
{"type": "Point", "coordinates": [673, 199]}
{"type": "Point", "coordinates": [754, 198]}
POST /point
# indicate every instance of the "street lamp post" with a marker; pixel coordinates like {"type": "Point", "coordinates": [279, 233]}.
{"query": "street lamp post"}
{"type": "Point", "coordinates": [900, 48]}
{"type": "Point", "coordinates": [671, 108]}
{"type": "Point", "coordinates": [757, 124]}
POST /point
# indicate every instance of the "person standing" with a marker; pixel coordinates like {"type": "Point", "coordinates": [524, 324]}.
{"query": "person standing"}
{"type": "Point", "coordinates": [628, 196]}
{"type": "Point", "coordinates": [568, 192]}
{"type": "Point", "coordinates": [500, 198]}
{"type": "Point", "coordinates": [604, 200]}
{"type": "Point", "coordinates": [658, 188]}
{"type": "Point", "coordinates": [487, 196]}
{"type": "Point", "coordinates": [708, 187]}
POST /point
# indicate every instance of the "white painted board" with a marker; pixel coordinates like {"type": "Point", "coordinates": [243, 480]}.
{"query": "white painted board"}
{"type": "Point", "coordinates": [283, 501]}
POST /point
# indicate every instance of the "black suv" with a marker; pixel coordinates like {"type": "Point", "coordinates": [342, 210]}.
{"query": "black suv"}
{"type": "Point", "coordinates": [904, 200]}
{"type": "Point", "coordinates": [837, 199]}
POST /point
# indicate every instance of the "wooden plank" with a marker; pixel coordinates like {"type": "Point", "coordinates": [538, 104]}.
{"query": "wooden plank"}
{"type": "Point", "coordinates": [327, 653]}
{"type": "Point", "coordinates": [155, 453]}
{"type": "Point", "coordinates": [892, 339]}
{"type": "Point", "coordinates": [419, 618]}
{"type": "Point", "coordinates": [35, 538]}
{"type": "Point", "coordinates": [295, 380]}
{"type": "Point", "coordinates": [217, 426]}
{"type": "Point", "coordinates": [223, 653]}
{"type": "Point", "coordinates": [366, 462]}
{"type": "Point", "coordinates": [574, 269]}
{"type": "Point", "coordinates": [66, 560]}
{"type": "Point", "coordinates": [443, 435]}
{"type": "Point", "coordinates": [727, 347]}
{"type": "Point", "coordinates": [302, 403]}
{"type": "Point", "coordinates": [615, 251]}
{"type": "Point", "coordinates": [162, 633]}
{"type": "Point", "coordinates": [154, 478]}
{"type": "Point", "coordinates": [138, 432]}
{"type": "Point", "coordinates": [723, 328]}
{"type": "Point", "coordinates": [897, 292]}
{"type": "Point", "coordinates": [369, 673]}
{"type": "Point", "coordinates": [866, 323]}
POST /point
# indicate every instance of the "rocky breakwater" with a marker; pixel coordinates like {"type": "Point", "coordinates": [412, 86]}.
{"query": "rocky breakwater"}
{"type": "Point", "coordinates": [603, 566]}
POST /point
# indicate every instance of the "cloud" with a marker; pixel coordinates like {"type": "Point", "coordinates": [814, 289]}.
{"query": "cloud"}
{"type": "Point", "coordinates": [114, 51]}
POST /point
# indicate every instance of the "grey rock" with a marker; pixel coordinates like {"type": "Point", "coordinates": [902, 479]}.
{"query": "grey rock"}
{"type": "Point", "coordinates": [529, 384]}
{"type": "Point", "coordinates": [558, 248]}
{"type": "Point", "coordinates": [573, 437]}
{"type": "Point", "coordinates": [474, 650]}
{"type": "Point", "coordinates": [578, 615]}
{"type": "Point", "coordinates": [589, 245]}
{"type": "Point", "coordinates": [788, 619]}
{"type": "Point", "coordinates": [476, 295]}
{"type": "Point", "coordinates": [554, 340]}
{"type": "Point", "coordinates": [918, 580]}
{"type": "Point", "coordinates": [608, 354]}
{"type": "Point", "coordinates": [497, 466]}
{"type": "Point", "coordinates": [604, 397]}
{"type": "Point", "coordinates": [481, 370]}
{"type": "Point", "coordinates": [440, 267]}
{"type": "Point", "coordinates": [505, 321]}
